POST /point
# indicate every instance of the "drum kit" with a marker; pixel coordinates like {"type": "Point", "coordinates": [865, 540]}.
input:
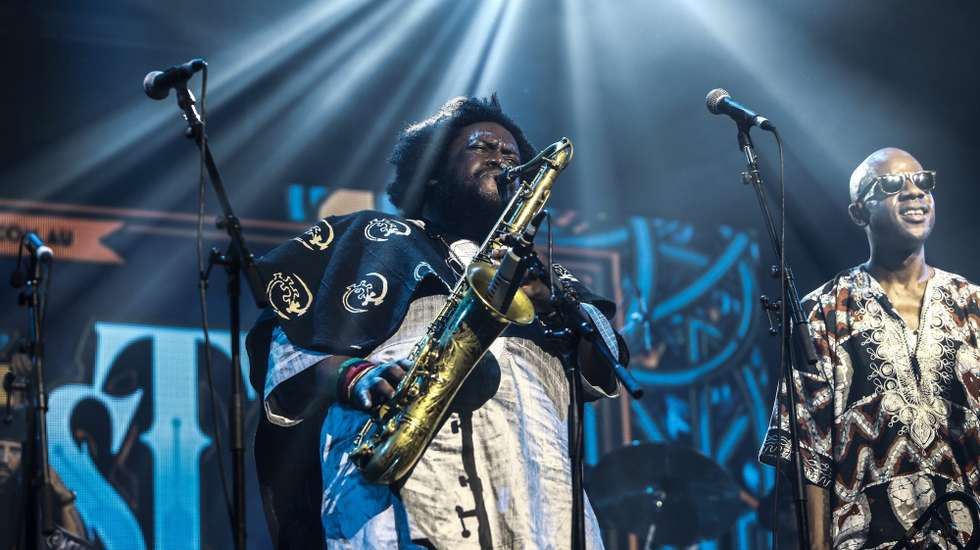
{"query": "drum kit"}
{"type": "Point", "coordinates": [667, 494]}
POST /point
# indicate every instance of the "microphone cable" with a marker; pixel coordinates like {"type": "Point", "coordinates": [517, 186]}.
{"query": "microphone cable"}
{"type": "Point", "coordinates": [782, 320]}
{"type": "Point", "coordinates": [784, 316]}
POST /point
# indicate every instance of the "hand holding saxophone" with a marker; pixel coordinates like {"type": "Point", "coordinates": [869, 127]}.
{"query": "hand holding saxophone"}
{"type": "Point", "coordinates": [364, 385]}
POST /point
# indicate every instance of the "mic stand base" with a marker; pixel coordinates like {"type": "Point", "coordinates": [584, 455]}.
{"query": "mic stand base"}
{"type": "Point", "coordinates": [236, 404]}
{"type": "Point", "coordinates": [566, 341]}
{"type": "Point", "coordinates": [579, 327]}
{"type": "Point", "coordinates": [576, 408]}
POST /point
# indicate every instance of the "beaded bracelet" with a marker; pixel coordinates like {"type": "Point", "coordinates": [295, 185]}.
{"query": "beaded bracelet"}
{"type": "Point", "coordinates": [350, 363]}
{"type": "Point", "coordinates": [351, 371]}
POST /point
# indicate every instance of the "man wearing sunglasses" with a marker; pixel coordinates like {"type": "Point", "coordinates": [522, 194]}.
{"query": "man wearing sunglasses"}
{"type": "Point", "coordinates": [888, 416]}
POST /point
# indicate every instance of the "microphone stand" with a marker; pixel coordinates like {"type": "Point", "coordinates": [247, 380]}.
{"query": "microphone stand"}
{"type": "Point", "coordinates": [38, 490]}
{"type": "Point", "coordinates": [577, 325]}
{"type": "Point", "coordinates": [794, 327]}
{"type": "Point", "coordinates": [236, 259]}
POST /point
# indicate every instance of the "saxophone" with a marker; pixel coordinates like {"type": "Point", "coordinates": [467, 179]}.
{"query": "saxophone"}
{"type": "Point", "coordinates": [482, 304]}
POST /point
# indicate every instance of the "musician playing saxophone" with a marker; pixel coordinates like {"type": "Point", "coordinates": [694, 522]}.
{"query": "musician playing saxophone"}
{"type": "Point", "coordinates": [351, 297]}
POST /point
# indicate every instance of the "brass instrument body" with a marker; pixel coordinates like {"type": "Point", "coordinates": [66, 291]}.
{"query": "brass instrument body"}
{"type": "Point", "coordinates": [392, 441]}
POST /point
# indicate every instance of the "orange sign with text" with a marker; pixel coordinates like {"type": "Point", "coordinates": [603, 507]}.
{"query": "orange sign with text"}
{"type": "Point", "coordinates": [70, 238]}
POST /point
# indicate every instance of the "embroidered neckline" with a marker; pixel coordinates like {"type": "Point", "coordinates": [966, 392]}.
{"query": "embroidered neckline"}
{"type": "Point", "coordinates": [913, 400]}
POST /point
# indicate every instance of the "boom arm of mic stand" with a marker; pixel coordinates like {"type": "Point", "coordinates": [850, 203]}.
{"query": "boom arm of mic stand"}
{"type": "Point", "coordinates": [230, 222]}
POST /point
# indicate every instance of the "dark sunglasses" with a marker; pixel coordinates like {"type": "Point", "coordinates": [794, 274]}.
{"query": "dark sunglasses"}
{"type": "Point", "coordinates": [889, 184]}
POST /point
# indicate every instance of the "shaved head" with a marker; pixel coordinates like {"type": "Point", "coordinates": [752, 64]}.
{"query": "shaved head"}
{"type": "Point", "coordinates": [890, 160]}
{"type": "Point", "coordinates": [899, 220]}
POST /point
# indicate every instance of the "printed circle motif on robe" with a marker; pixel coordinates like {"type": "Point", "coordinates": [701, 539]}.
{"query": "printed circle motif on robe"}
{"type": "Point", "coordinates": [360, 295]}
{"type": "Point", "coordinates": [318, 237]}
{"type": "Point", "coordinates": [288, 295]}
{"type": "Point", "coordinates": [381, 229]}
{"type": "Point", "coordinates": [422, 270]}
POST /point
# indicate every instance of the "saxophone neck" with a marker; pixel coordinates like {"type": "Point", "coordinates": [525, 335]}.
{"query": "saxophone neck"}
{"type": "Point", "coordinates": [560, 153]}
{"type": "Point", "coordinates": [555, 156]}
{"type": "Point", "coordinates": [531, 197]}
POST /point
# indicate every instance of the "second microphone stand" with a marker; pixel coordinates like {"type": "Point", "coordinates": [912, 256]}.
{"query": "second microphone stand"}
{"type": "Point", "coordinates": [236, 260]}
{"type": "Point", "coordinates": [577, 326]}
{"type": "Point", "coordinates": [793, 326]}
{"type": "Point", "coordinates": [38, 488]}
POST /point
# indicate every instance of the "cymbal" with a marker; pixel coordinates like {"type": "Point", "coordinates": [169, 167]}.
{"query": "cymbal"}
{"type": "Point", "coordinates": [667, 493]}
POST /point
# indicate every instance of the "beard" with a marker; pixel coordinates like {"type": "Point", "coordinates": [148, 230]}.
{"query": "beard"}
{"type": "Point", "coordinates": [6, 475]}
{"type": "Point", "coordinates": [466, 206]}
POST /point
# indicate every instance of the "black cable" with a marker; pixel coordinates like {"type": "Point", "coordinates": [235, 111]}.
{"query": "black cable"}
{"type": "Point", "coordinates": [16, 277]}
{"type": "Point", "coordinates": [575, 435]}
{"type": "Point", "coordinates": [775, 508]}
{"type": "Point", "coordinates": [551, 259]}
{"type": "Point", "coordinates": [784, 316]}
{"type": "Point", "coordinates": [203, 297]}
{"type": "Point", "coordinates": [782, 217]}
{"type": "Point", "coordinates": [782, 343]}
{"type": "Point", "coordinates": [44, 296]}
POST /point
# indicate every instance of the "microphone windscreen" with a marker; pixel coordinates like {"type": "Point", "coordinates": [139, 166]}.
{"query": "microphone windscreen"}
{"type": "Point", "coordinates": [713, 99]}
{"type": "Point", "coordinates": [149, 86]}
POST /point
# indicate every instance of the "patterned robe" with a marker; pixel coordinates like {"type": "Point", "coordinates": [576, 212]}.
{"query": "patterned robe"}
{"type": "Point", "coordinates": [888, 418]}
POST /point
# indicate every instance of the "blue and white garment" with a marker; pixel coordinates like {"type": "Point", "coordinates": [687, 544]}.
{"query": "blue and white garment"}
{"type": "Point", "coordinates": [496, 475]}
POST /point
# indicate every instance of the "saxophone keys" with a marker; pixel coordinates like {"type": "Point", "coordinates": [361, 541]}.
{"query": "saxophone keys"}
{"type": "Point", "coordinates": [391, 426]}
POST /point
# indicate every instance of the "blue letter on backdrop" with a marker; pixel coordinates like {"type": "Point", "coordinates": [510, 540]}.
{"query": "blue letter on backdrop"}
{"type": "Point", "coordinates": [174, 439]}
{"type": "Point", "coordinates": [103, 510]}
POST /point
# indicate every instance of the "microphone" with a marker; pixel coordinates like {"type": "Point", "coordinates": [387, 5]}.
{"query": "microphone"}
{"type": "Point", "coordinates": [157, 84]}
{"type": "Point", "coordinates": [513, 266]}
{"type": "Point", "coordinates": [719, 102]}
{"type": "Point", "coordinates": [37, 248]}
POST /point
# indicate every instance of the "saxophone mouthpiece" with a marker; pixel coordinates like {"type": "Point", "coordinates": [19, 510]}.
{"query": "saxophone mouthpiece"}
{"type": "Point", "coordinates": [505, 181]}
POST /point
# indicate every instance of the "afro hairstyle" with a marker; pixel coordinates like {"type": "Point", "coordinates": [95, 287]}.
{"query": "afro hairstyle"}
{"type": "Point", "coordinates": [422, 149]}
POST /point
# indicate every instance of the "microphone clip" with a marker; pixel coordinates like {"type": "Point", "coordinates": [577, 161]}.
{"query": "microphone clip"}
{"type": "Point", "coordinates": [38, 254]}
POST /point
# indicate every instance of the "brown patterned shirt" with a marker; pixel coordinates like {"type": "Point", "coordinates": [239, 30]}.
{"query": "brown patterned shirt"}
{"type": "Point", "coordinates": [888, 418]}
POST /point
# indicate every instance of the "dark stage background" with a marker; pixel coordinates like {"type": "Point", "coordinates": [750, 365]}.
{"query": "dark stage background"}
{"type": "Point", "coordinates": [304, 102]}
